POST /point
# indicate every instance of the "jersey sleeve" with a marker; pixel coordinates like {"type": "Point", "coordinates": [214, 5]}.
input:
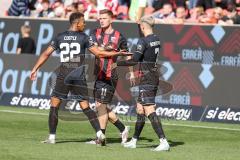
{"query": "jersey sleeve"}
{"type": "Point", "coordinates": [55, 43]}
{"type": "Point", "coordinates": [123, 43]}
{"type": "Point", "coordinates": [92, 37]}
{"type": "Point", "coordinates": [139, 50]}
{"type": "Point", "coordinates": [89, 42]}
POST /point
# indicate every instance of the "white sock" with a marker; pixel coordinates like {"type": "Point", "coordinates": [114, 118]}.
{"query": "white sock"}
{"type": "Point", "coordinates": [52, 136]}
{"type": "Point", "coordinates": [99, 133]}
{"type": "Point", "coordinates": [163, 140]}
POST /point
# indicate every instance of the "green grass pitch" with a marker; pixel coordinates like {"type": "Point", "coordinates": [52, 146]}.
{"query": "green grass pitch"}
{"type": "Point", "coordinates": [21, 131]}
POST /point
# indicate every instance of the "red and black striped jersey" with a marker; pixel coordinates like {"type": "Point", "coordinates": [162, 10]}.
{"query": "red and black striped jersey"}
{"type": "Point", "coordinates": [116, 41]}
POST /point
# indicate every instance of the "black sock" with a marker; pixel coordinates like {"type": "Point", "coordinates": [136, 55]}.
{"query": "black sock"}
{"type": "Point", "coordinates": [103, 131]}
{"type": "Point", "coordinates": [53, 120]}
{"type": "Point", "coordinates": [139, 125]}
{"type": "Point", "coordinates": [119, 125]}
{"type": "Point", "coordinates": [92, 117]}
{"type": "Point", "coordinates": [156, 124]}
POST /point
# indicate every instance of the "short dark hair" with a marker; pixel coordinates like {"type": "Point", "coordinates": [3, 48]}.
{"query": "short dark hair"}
{"type": "Point", "coordinates": [106, 11]}
{"type": "Point", "coordinates": [75, 16]}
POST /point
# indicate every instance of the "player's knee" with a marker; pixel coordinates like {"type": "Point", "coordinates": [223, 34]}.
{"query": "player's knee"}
{"type": "Point", "coordinates": [140, 109]}
{"type": "Point", "coordinates": [55, 102]}
{"type": "Point", "coordinates": [149, 109]}
{"type": "Point", "coordinates": [102, 109]}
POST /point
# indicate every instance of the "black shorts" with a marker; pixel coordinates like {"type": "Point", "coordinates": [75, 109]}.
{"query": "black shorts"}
{"type": "Point", "coordinates": [147, 94]}
{"type": "Point", "coordinates": [104, 90]}
{"type": "Point", "coordinates": [75, 91]}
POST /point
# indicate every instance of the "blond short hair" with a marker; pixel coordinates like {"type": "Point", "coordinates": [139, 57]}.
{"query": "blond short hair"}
{"type": "Point", "coordinates": [148, 20]}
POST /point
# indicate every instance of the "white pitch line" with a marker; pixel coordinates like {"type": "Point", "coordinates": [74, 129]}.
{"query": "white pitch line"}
{"type": "Point", "coordinates": [168, 124]}
{"type": "Point", "coordinates": [200, 126]}
{"type": "Point", "coordinates": [19, 112]}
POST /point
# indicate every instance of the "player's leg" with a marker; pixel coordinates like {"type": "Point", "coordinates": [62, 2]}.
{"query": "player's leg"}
{"type": "Point", "coordinates": [102, 115]}
{"type": "Point", "coordinates": [140, 122]}
{"type": "Point", "coordinates": [79, 92]}
{"type": "Point", "coordinates": [112, 117]}
{"type": "Point", "coordinates": [124, 130]}
{"type": "Point", "coordinates": [148, 94]}
{"type": "Point", "coordinates": [99, 94]}
{"type": "Point", "coordinates": [59, 92]}
{"type": "Point", "coordinates": [157, 126]}
{"type": "Point", "coordinates": [103, 94]}
{"type": "Point", "coordinates": [53, 120]}
{"type": "Point", "coordinates": [93, 119]}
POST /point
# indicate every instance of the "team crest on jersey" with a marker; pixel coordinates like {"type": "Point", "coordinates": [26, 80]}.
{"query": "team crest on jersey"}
{"type": "Point", "coordinates": [113, 39]}
{"type": "Point", "coordinates": [91, 40]}
{"type": "Point", "coordinates": [139, 47]}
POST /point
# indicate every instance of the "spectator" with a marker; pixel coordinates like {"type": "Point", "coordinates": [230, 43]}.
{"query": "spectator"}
{"type": "Point", "coordinates": [178, 19]}
{"type": "Point", "coordinates": [165, 13]}
{"type": "Point", "coordinates": [59, 11]}
{"type": "Point", "coordinates": [91, 10]}
{"type": "Point", "coordinates": [208, 17]}
{"type": "Point", "coordinates": [158, 4]}
{"type": "Point", "coordinates": [80, 7]}
{"type": "Point", "coordinates": [56, 4]}
{"type": "Point", "coordinates": [218, 13]}
{"type": "Point", "coordinates": [195, 14]}
{"type": "Point", "coordinates": [46, 10]}
{"type": "Point", "coordinates": [75, 7]}
{"type": "Point", "coordinates": [71, 8]}
{"type": "Point", "coordinates": [111, 5]}
{"type": "Point", "coordinates": [181, 14]}
{"type": "Point", "coordinates": [230, 18]}
{"type": "Point", "coordinates": [19, 8]}
{"type": "Point", "coordinates": [26, 44]}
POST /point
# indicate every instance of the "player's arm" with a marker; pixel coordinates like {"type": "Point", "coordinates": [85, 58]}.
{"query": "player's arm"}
{"type": "Point", "coordinates": [101, 53]}
{"type": "Point", "coordinates": [136, 56]}
{"type": "Point", "coordinates": [94, 49]}
{"type": "Point", "coordinates": [41, 60]}
{"type": "Point", "coordinates": [124, 47]}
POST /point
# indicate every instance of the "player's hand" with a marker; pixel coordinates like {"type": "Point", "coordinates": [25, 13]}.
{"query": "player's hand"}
{"type": "Point", "coordinates": [33, 74]}
{"type": "Point", "coordinates": [124, 53]}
